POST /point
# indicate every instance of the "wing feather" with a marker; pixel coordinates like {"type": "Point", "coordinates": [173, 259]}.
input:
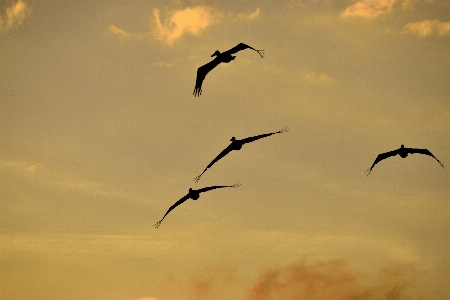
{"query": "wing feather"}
{"type": "Point", "coordinates": [172, 207]}
{"type": "Point", "coordinates": [382, 156]}
{"type": "Point", "coordinates": [201, 74]}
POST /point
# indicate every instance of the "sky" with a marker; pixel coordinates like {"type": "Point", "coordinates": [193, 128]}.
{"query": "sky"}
{"type": "Point", "coordinates": [100, 134]}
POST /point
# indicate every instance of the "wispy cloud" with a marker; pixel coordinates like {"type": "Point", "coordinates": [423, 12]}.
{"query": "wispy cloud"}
{"type": "Point", "coordinates": [368, 9]}
{"type": "Point", "coordinates": [15, 14]}
{"type": "Point", "coordinates": [427, 28]}
{"type": "Point", "coordinates": [122, 33]}
{"type": "Point", "coordinates": [189, 20]}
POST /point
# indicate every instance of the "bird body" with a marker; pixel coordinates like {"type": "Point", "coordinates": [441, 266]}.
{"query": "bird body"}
{"type": "Point", "coordinates": [237, 145]}
{"type": "Point", "coordinates": [224, 57]}
{"type": "Point", "coordinates": [403, 152]}
{"type": "Point", "coordinates": [194, 195]}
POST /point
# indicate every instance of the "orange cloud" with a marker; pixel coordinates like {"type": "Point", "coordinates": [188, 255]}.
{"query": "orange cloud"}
{"type": "Point", "coordinates": [427, 28]}
{"type": "Point", "coordinates": [189, 20]}
{"type": "Point", "coordinates": [368, 9]}
{"type": "Point", "coordinates": [15, 14]}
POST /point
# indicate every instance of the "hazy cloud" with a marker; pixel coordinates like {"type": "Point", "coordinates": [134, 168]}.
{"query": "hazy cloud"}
{"type": "Point", "coordinates": [15, 14]}
{"type": "Point", "coordinates": [368, 9]}
{"type": "Point", "coordinates": [427, 28]}
{"type": "Point", "coordinates": [189, 20]}
{"type": "Point", "coordinates": [332, 280]}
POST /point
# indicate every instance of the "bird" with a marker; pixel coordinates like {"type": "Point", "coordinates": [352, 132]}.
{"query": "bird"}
{"type": "Point", "coordinates": [403, 152]}
{"type": "Point", "coordinates": [237, 145]}
{"type": "Point", "coordinates": [194, 195]}
{"type": "Point", "coordinates": [224, 57]}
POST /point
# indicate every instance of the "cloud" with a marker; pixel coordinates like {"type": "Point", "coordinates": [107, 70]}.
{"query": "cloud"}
{"type": "Point", "coordinates": [189, 20]}
{"type": "Point", "coordinates": [251, 16]}
{"type": "Point", "coordinates": [15, 14]}
{"type": "Point", "coordinates": [368, 9]}
{"type": "Point", "coordinates": [211, 280]}
{"type": "Point", "coordinates": [331, 280]}
{"type": "Point", "coordinates": [427, 28]}
{"type": "Point", "coordinates": [34, 168]}
{"type": "Point", "coordinates": [318, 78]}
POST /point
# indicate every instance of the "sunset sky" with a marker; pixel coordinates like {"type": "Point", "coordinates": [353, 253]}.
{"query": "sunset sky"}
{"type": "Point", "coordinates": [100, 134]}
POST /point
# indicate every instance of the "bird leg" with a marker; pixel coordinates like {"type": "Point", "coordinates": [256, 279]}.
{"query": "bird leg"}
{"type": "Point", "coordinates": [261, 53]}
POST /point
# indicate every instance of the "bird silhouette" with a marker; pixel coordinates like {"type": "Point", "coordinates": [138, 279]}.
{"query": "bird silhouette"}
{"type": "Point", "coordinates": [237, 145]}
{"type": "Point", "coordinates": [194, 195]}
{"type": "Point", "coordinates": [224, 57]}
{"type": "Point", "coordinates": [403, 152]}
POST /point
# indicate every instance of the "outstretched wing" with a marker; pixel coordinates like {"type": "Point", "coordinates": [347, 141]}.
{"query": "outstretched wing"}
{"type": "Point", "coordinates": [221, 155]}
{"type": "Point", "coordinates": [257, 137]}
{"type": "Point", "coordinates": [424, 151]}
{"type": "Point", "coordinates": [380, 157]}
{"type": "Point", "coordinates": [217, 187]}
{"type": "Point", "coordinates": [201, 74]}
{"type": "Point", "coordinates": [170, 208]}
{"type": "Point", "coordinates": [242, 46]}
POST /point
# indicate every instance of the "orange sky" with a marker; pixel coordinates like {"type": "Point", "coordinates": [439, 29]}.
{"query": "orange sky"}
{"type": "Point", "coordinates": [101, 135]}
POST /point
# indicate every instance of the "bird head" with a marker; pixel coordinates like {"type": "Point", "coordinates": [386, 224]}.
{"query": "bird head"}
{"type": "Point", "coordinates": [215, 53]}
{"type": "Point", "coordinates": [402, 146]}
{"type": "Point", "coordinates": [233, 139]}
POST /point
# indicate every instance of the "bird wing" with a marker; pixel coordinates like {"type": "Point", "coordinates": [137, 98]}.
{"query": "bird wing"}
{"type": "Point", "coordinates": [380, 157]}
{"type": "Point", "coordinates": [424, 151]}
{"type": "Point", "coordinates": [201, 74]}
{"type": "Point", "coordinates": [242, 46]}
{"type": "Point", "coordinates": [170, 208]}
{"type": "Point", "coordinates": [205, 189]}
{"type": "Point", "coordinates": [237, 184]}
{"type": "Point", "coordinates": [221, 155]}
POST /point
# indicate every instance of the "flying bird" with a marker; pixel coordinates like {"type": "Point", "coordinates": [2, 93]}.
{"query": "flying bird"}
{"type": "Point", "coordinates": [194, 195]}
{"type": "Point", "coordinates": [237, 145]}
{"type": "Point", "coordinates": [403, 152]}
{"type": "Point", "coordinates": [224, 57]}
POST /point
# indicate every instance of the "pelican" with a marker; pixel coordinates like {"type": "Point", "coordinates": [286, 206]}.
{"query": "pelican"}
{"type": "Point", "coordinates": [224, 57]}
{"type": "Point", "coordinates": [403, 152]}
{"type": "Point", "coordinates": [237, 145]}
{"type": "Point", "coordinates": [194, 195]}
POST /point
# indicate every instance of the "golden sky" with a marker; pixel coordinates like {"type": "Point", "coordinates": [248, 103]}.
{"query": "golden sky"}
{"type": "Point", "coordinates": [100, 135]}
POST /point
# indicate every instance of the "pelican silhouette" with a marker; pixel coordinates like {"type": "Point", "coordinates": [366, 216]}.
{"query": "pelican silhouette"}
{"type": "Point", "coordinates": [194, 195]}
{"type": "Point", "coordinates": [237, 145]}
{"type": "Point", "coordinates": [403, 152]}
{"type": "Point", "coordinates": [224, 57]}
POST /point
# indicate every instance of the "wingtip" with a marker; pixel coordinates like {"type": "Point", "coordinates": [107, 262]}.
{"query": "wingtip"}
{"type": "Point", "coordinates": [237, 184]}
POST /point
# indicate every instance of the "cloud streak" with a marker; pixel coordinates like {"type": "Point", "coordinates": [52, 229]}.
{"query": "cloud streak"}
{"type": "Point", "coordinates": [15, 14]}
{"type": "Point", "coordinates": [368, 9]}
{"type": "Point", "coordinates": [427, 28]}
